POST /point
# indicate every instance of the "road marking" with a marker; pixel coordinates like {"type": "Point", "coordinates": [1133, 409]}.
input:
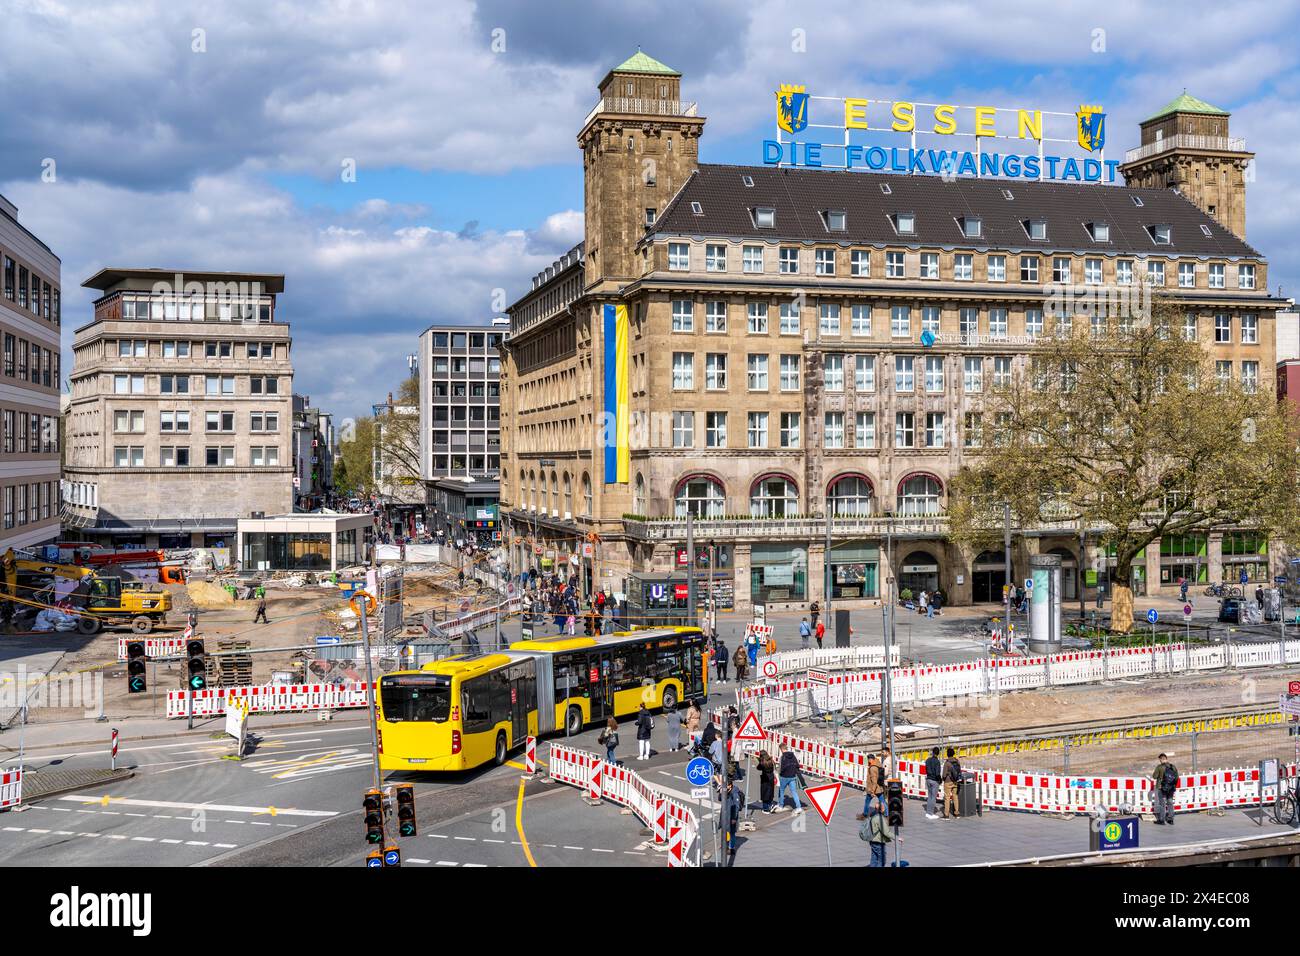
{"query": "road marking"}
{"type": "Point", "coordinates": [597, 850]}
{"type": "Point", "coordinates": [486, 840]}
{"type": "Point", "coordinates": [143, 839]}
{"type": "Point", "coordinates": [416, 859]}
{"type": "Point", "coordinates": [446, 863]}
{"type": "Point", "coordinates": [169, 841]}
{"type": "Point", "coordinates": [196, 843]}
{"type": "Point", "coordinates": [474, 864]}
{"type": "Point", "coordinates": [519, 825]}
{"type": "Point", "coordinates": [470, 839]}
{"type": "Point", "coordinates": [37, 830]}
{"type": "Point", "coordinates": [573, 848]}
{"type": "Point", "coordinates": [438, 836]}
{"type": "Point", "coordinates": [172, 805]}
{"type": "Point", "coordinates": [226, 846]}
{"type": "Point", "coordinates": [634, 853]}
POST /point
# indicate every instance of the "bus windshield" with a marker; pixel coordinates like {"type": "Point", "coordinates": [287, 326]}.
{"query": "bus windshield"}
{"type": "Point", "coordinates": [420, 697]}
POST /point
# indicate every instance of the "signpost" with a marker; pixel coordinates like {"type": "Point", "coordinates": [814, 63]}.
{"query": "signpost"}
{"type": "Point", "coordinates": [823, 799]}
{"type": "Point", "coordinates": [770, 670]}
{"type": "Point", "coordinates": [1117, 833]}
{"type": "Point", "coordinates": [699, 774]}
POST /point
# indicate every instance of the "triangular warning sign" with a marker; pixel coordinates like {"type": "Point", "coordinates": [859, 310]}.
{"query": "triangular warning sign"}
{"type": "Point", "coordinates": [823, 799]}
{"type": "Point", "coordinates": [750, 729]}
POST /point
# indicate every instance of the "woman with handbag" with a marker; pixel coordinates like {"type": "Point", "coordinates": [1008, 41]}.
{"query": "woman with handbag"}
{"type": "Point", "coordinates": [609, 737]}
{"type": "Point", "coordinates": [766, 780]}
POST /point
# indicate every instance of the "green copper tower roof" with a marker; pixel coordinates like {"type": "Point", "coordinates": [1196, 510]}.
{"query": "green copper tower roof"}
{"type": "Point", "coordinates": [1186, 104]}
{"type": "Point", "coordinates": [638, 62]}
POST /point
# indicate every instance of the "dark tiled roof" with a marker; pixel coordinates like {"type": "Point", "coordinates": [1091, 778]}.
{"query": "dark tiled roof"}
{"type": "Point", "coordinates": [800, 195]}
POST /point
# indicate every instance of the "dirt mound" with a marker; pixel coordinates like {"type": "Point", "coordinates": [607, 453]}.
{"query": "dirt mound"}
{"type": "Point", "coordinates": [205, 594]}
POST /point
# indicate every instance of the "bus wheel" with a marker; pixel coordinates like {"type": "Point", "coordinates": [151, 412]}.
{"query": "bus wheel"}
{"type": "Point", "coordinates": [670, 699]}
{"type": "Point", "coordinates": [573, 721]}
{"type": "Point", "coordinates": [87, 625]}
{"type": "Point", "coordinates": [141, 624]}
{"type": "Point", "coordinates": [501, 748]}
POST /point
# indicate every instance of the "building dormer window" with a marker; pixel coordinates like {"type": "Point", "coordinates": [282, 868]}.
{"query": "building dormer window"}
{"type": "Point", "coordinates": [697, 209]}
{"type": "Point", "coordinates": [1205, 231]}
{"type": "Point", "coordinates": [905, 223]}
{"type": "Point", "coordinates": [971, 226]}
{"type": "Point", "coordinates": [886, 188]}
{"type": "Point", "coordinates": [1099, 231]}
{"type": "Point", "coordinates": [1036, 229]}
{"type": "Point", "coordinates": [1137, 201]}
{"type": "Point", "coordinates": [764, 217]}
{"type": "Point", "coordinates": [836, 220]}
{"type": "Point", "coordinates": [748, 181]}
{"type": "Point", "coordinates": [1006, 194]}
{"type": "Point", "coordinates": [1161, 235]}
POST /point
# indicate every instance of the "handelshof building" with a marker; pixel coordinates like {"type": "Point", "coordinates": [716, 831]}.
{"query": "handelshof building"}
{"type": "Point", "coordinates": [764, 346]}
{"type": "Point", "coordinates": [313, 455]}
{"type": "Point", "coordinates": [460, 401]}
{"type": "Point", "coordinates": [181, 414]}
{"type": "Point", "coordinates": [30, 321]}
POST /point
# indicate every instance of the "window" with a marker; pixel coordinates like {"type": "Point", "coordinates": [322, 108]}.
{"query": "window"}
{"type": "Point", "coordinates": [934, 373]}
{"type": "Point", "coordinates": [752, 258]}
{"type": "Point", "coordinates": [219, 421]}
{"type": "Point", "coordinates": [834, 373]}
{"type": "Point", "coordinates": [1223, 370]}
{"type": "Point", "coordinates": [774, 498]}
{"type": "Point", "coordinates": [904, 429]}
{"type": "Point", "coordinates": [9, 354]}
{"type": "Point", "coordinates": [1092, 271]}
{"type": "Point", "coordinates": [860, 263]}
{"type": "Point", "coordinates": [1061, 269]}
{"type": "Point", "coordinates": [765, 217]}
{"type": "Point", "coordinates": [683, 429]}
{"type": "Point", "coordinates": [789, 430]}
{"type": "Point", "coordinates": [968, 324]}
{"type": "Point", "coordinates": [1124, 271]}
{"type": "Point", "coordinates": [715, 429]}
{"type": "Point", "coordinates": [128, 348]}
{"type": "Point", "coordinates": [834, 430]}
{"type": "Point", "coordinates": [715, 258]}
{"type": "Point", "coordinates": [264, 456]}
{"type": "Point", "coordinates": [756, 318]}
{"type": "Point", "coordinates": [1156, 273]}
{"type": "Point", "coordinates": [264, 421]}
{"type": "Point", "coordinates": [1249, 376]}
{"type": "Point", "coordinates": [1161, 235]}
{"type": "Point", "coordinates": [963, 267]}
{"type": "Point", "coordinates": [904, 380]}
{"type": "Point", "coordinates": [934, 429]}
{"type": "Point", "coordinates": [998, 324]}
{"type": "Point", "coordinates": [1028, 268]}
{"type": "Point", "coordinates": [174, 384]}
{"type": "Point", "coordinates": [701, 497]}
{"type": "Point", "coordinates": [128, 456]}
{"type": "Point", "coordinates": [715, 316]}
{"type": "Point", "coordinates": [262, 385]}
{"type": "Point", "coordinates": [649, 217]}
{"type": "Point", "coordinates": [851, 495]}
{"type": "Point", "coordinates": [1001, 371]}
{"type": "Point", "coordinates": [929, 265]}
{"type": "Point", "coordinates": [1100, 231]}
{"type": "Point", "coordinates": [178, 421]}
{"type": "Point", "coordinates": [683, 315]}
{"type": "Point", "coordinates": [756, 373]}
{"type": "Point", "coordinates": [860, 320]}
{"type": "Point", "coordinates": [266, 350]}
{"type": "Point", "coordinates": [865, 373]}
{"type": "Point", "coordinates": [128, 421]}
{"type": "Point", "coordinates": [9, 294]}
{"type": "Point", "coordinates": [178, 349]}
{"type": "Point", "coordinates": [1222, 328]}
{"type": "Point", "coordinates": [789, 318]}
{"type": "Point", "coordinates": [997, 268]}
{"type": "Point", "coordinates": [972, 430]}
{"type": "Point", "coordinates": [683, 370]}
{"type": "Point", "coordinates": [1245, 277]}
{"type": "Point", "coordinates": [836, 220]}
{"type": "Point", "coordinates": [894, 265]}
{"type": "Point", "coordinates": [679, 256]}
{"type": "Point", "coordinates": [218, 385]}
{"type": "Point", "coordinates": [222, 456]}
{"type": "Point", "coordinates": [824, 262]}
{"type": "Point", "coordinates": [864, 430]}
{"type": "Point", "coordinates": [905, 223]}
{"type": "Point", "coordinates": [1186, 275]}
{"type": "Point", "coordinates": [790, 373]}
{"type": "Point", "coordinates": [1033, 323]}
{"type": "Point", "coordinates": [972, 374]}
{"type": "Point", "coordinates": [1189, 327]}
{"type": "Point", "coordinates": [828, 314]}
{"type": "Point", "coordinates": [177, 456]}
{"type": "Point", "coordinates": [919, 495]}
{"type": "Point", "coordinates": [787, 259]}
{"type": "Point", "coordinates": [715, 371]}
{"type": "Point", "coordinates": [1249, 330]}
{"type": "Point", "coordinates": [1217, 270]}
{"type": "Point", "coordinates": [757, 429]}
{"type": "Point", "coordinates": [900, 321]}
{"type": "Point", "coordinates": [1036, 229]}
{"type": "Point", "coordinates": [971, 227]}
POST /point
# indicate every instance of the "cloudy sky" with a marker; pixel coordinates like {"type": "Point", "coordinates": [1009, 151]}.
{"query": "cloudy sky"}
{"type": "Point", "coordinates": [214, 134]}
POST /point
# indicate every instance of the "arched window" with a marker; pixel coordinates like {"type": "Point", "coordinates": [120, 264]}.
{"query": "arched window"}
{"type": "Point", "coordinates": [700, 495]}
{"type": "Point", "coordinates": [919, 495]}
{"type": "Point", "coordinates": [586, 494]}
{"type": "Point", "coordinates": [522, 497]}
{"type": "Point", "coordinates": [532, 490]}
{"type": "Point", "coordinates": [555, 494]}
{"type": "Point", "coordinates": [773, 496]}
{"type": "Point", "coordinates": [851, 495]}
{"type": "Point", "coordinates": [568, 496]}
{"type": "Point", "coordinates": [638, 495]}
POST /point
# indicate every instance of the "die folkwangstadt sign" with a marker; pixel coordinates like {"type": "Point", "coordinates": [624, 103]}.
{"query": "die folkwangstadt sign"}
{"type": "Point", "coordinates": [853, 133]}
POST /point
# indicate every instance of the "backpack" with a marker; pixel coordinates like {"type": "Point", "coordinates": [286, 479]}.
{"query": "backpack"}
{"type": "Point", "coordinates": [1169, 779]}
{"type": "Point", "coordinates": [954, 770]}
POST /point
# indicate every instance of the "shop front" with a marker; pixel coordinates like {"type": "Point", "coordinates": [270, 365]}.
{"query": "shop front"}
{"type": "Point", "coordinates": [855, 569]}
{"type": "Point", "coordinates": [918, 572]}
{"type": "Point", "coordinates": [1245, 552]}
{"type": "Point", "coordinates": [1183, 556]}
{"type": "Point", "coordinates": [778, 573]}
{"type": "Point", "coordinates": [988, 575]}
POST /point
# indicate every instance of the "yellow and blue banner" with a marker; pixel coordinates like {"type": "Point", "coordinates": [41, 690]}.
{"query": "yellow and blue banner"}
{"type": "Point", "coordinates": [618, 394]}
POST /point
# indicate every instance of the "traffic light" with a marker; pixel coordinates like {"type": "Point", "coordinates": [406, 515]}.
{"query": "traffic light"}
{"type": "Point", "coordinates": [406, 809]}
{"type": "Point", "coordinates": [197, 666]}
{"type": "Point", "coordinates": [894, 802]}
{"type": "Point", "coordinates": [135, 668]}
{"type": "Point", "coordinates": [373, 805]}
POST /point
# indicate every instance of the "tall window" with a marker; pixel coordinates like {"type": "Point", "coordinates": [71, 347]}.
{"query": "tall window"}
{"type": "Point", "coordinates": [919, 495]}
{"type": "Point", "coordinates": [861, 320]}
{"type": "Point", "coordinates": [752, 258]}
{"type": "Point", "coordinates": [683, 429]}
{"type": "Point", "coordinates": [1033, 323]}
{"type": "Point", "coordinates": [934, 422]}
{"type": "Point", "coordinates": [773, 498]}
{"type": "Point", "coordinates": [1222, 328]}
{"type": "Point", "coordinates": [998, 324]}
{"type": "Point", "coordinates": [829, 318]}
{"type": "Point", "coordinates": [715, 317]}
{"type": "Point", "coordinates": [852, 495]}
{"type": "Point", "coordinates": [824, 261]}
{"type": "Point", "coordinates": [972, 374]}
{"type": "Point", "coordinates": [789, 318]}
{"type": "Point", "coordinates": [757, 429]}
{"type": "Point", "coordinates": [834, 373]}
{"type": "Point", "coordinates": [968, 324]}
{"type": "Point", "coordinates": [756, 373]}
{"type": "Point", "coordinates": [683, 315]}
{"type": "Point", "coordinates": [788, 260]}
{"type": "Point", "coordinates": [701, 497]}
{"type": "Point", "coordinates": [900, 322]}
{"type": "Point", "coordinates": [1216, 275]}
{"type": "Point", "coordinates": [1249, 330]}
{"type": "Point", "coordinates": [904, 379]}
{"type": "Point", "coordinates": [715, 258]}
{"type": "Point", "coordinates": [963, 267]}
{"type": "Point", "coordinates": [586, 494]}
{"type": "Point", "coordinates": [789, 373]}
{"type": "Point", "coordinates": [679, 256]}
{"type": "Point", "coordinates": [789, 429]}
{"type": "Point", "coordinates": [684, 370]}
{"type": "Point", "coordinates": [894, 265]}
{"type": "Point", "coordinates": [904, 429]}
{"type": "Point", "coordinates": [756, 316]}
{"type": "Point", "coordinates": [834, 426]}
{"type": "Point", "coordinates": [1001, 371]}
{"type": "Point", "coordinates": [864, 430]}
{"type": "Point", "coordinates": [715, 429]}
{"type": "Point", "coordinates": [860, 263]}
{"type": "Point", "coordinates": [934, 373]}
{"type": "Point", "coordinates": [997, 268]}
{"type": "Point", "coordinates": [715, 371]}
{"type": "Point", "coordinates": [864, 373]}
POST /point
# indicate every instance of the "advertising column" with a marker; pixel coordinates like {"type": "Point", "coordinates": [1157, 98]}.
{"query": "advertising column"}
{"type": "Point", "coordinates": [1045, 606]}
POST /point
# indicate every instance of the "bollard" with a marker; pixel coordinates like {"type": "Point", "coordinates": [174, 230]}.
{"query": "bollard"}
{"type": "Point", "coordinates": [113, 760]}
{"type": "Point", "coordinates": [530, 756]}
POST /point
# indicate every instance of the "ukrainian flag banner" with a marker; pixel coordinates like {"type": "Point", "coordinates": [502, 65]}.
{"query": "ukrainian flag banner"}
{"type": "Point", "coordinates": [618, 395]}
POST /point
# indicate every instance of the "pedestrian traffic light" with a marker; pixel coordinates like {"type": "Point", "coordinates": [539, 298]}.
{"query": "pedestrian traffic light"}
{"type": "Point", "coordinates": [405, 809]}
{"type": "Point", "coordinates": [197, 665]}
{"type": "Point", "coordinates": [135, 668]}
{"type": "Point", "coordinates": [894, 802]}
{"type": "Point", "coordinates": [373, 805]}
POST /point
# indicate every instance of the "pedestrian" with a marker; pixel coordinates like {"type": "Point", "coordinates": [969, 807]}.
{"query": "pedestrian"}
{"type": "Point", "coordinates": [644, 724]}
{"type": "Point", "coordinates": [951, 778]}
{"type": "Point", "coordinates": [875, 777]}
{"type": "Point", "coordinates": [933, 782]}
{"type": "Point", "coordinates": [261, 611]}
{"type": "Point", "coordinates": [805, 632]}
{"type": "Point", "coordinates": [722, 661]}
{"type": "Point", "coordinates": [771, 644]}
{"type": "Point", "coordinates": [875, 829]}
{"type": "Point", "coordinates": [1259, 595]}
{"type": "Point", "coordinates": [609, 737]}
{"type": "Point", "coordinates": [570, 623]}
{"type": "Point", "coordinates": [923, 602]}
{"type": "Point", "coordinates": [887, 761]}
{"type": "Point", "coordinates": [936, 601]}
{"type": "Point", "coordinates": [751, 648]}
{"type": "Point", "coordinates": [815, 611]}
{"type": "Point", "coordinates": [741, 660]}
{"type": "Point", "coordinates": [460, 577]}
{"type": "Point", "coordinates": [766, 780]}
{"type": "Point", "coordinates": [735, 807]}
{"type": "Point", "coordinates": [673, 721]}
{"type": "Point", "coordinates": [820, 633]}
{"type": "Point", "coordinates": [791, 776]}
{"type": "Point", "coordinates": [1164, 786]}
{"type": "Point", "coordinates": [1182, 590]}
{"type": "Point", "coordinates": [693, 722]}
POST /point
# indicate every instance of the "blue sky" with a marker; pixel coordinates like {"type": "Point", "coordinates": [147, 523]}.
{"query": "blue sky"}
{"type": "Point", "coordinates": [193, 134]}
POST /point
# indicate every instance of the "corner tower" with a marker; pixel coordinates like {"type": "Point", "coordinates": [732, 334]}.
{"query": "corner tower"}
{"type": "Point", "coordinates": [639, 145]}
{"type": "Point", "coordinates": [1186, 146]}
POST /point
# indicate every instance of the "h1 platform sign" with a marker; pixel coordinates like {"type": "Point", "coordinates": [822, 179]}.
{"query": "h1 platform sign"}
{"type": "Point", "coordinates": [1116, 833]}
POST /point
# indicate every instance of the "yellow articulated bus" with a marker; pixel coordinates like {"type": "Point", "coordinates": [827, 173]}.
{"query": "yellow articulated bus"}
{"type": "Point", "coordinates": [461, 712]}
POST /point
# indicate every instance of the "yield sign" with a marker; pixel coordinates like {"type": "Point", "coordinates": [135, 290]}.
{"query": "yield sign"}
{"type": "Point", "coordinates": [749, 729]}
{"type": "Point", "coordinates": [823, 799]}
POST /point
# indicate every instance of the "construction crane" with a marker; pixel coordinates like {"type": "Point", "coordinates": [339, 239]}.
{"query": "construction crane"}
{"type": "Point", "coordinates": [102, 596]}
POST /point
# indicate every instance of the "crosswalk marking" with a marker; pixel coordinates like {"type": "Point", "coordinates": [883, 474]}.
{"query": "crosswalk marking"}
{"type": "Point", "coordinates": [206, 807]}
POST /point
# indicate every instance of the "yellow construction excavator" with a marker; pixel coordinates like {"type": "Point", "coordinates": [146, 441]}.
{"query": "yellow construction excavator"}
{"type": "Point", "coordinates": [108, 596]}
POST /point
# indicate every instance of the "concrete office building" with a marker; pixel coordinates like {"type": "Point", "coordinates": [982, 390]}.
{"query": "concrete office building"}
{"type": "Point", "coordinates": [30, 323]}
{"type": "Point", "coordinates": [313, 455]}
{"type": "Point", "coordinates": [790, 342]}
{"type": "Point", "coordinates": [460, 401]}
{"type": "Point", "coordinates": [181, 415]}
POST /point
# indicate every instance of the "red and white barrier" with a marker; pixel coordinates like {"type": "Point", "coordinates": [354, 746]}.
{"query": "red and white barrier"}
{"type": "Point", "coordinates": [154, 647]}
{"type": "Point", "coordinates": [269, 698]}
{"type": "Point", "coordinates": [11, 787]}
{"type": "Point", "coordinates": [530, 756]}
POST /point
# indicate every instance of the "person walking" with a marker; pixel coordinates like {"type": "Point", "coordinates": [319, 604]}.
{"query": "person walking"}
{"type": "Point", "coordinates": [933, 782]}
{"type": "Point", "coordinates": [1182, 590]}
{"type": "Point", "coordinates": [820, 633]}
{"type": "Point", "coordinates": [721, 661]}
{"type": "Point", "coordinates": [693, 723]}
{"type": "Point", "coordinates": [805, 632]}
{"type": "Point", "coordinates": [951, 778]}
{"type": "Point", "coordinates": [876, 829]}
{"type": "Point", "coordinates": [766, 780]}
{"type": "Point", "coordinates": [741, 660]}
{"type": "Point", "coordinates": [815, 611]}
{"type": "Point", "coordinates": [609, 737]}
{"type": "Point", "coordinates": [751, 649]}
{"type": "Point", "coordinates": [875, 777]}
{"type": "Point", "coordinates": [923, 602]}
{"type": "Point", "coordinates": [261, 611]}
{"type": "Point", "coordinates": [673, 723]}
{"type": "Point", "coordinates": [644, 724]}
{"type": "Point", "coordinates": [1164, 786]}
{"type": "Point", "coordinates": [569, 623]}
{"type": "Point", "coordinates": [791, 777]}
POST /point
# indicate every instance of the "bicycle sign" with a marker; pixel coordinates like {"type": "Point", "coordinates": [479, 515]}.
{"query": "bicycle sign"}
{"type": "Point", "coordinates": [699, 772]}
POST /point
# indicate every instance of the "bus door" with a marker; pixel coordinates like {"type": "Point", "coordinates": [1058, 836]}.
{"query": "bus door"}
{"type": "Point", "coordinates": [694, 654]}
{"type": "Point", "coordinates": [523, 693]}
{"type": "Point", "coordinates": [602, 691]}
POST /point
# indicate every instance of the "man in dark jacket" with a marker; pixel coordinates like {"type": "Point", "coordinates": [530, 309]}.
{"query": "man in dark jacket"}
{"type": "Point", "coordinates": [933, 782]}
{"type": "Point", "coordinates": [644, 723]}
{"type": "Point", "coordinates": [261, 611]}
{"type": "Point", "coordinates": [790, 774]}
{"type": "Point", "coordinates": [1164, 783]}
{"type": "Point", "coordinates": [951, 779]}
{"type": "Point", "coordinates": [721, 661]}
